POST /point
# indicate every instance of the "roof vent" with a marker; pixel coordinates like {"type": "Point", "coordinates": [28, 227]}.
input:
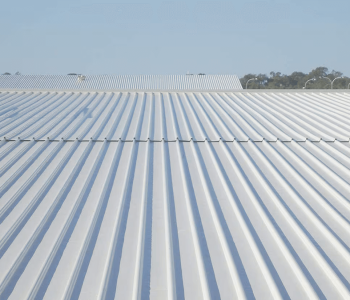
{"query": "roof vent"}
{"type": "Point", "coordinates": [81, 78]}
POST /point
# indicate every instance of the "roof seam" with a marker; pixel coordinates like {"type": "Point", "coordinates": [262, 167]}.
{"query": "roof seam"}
{"type": "Point", "coordinates": [176, 140]}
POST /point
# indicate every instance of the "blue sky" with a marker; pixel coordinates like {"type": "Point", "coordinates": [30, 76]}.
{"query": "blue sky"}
{"type": "Point", "coordinates": [173, 37]}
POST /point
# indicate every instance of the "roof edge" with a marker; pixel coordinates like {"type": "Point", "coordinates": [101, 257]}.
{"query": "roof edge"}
{"type": "Point", "coordinates": [180, 90]}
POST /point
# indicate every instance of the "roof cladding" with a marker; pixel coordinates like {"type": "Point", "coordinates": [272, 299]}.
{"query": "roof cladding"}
{"type": "Point", "coordinates": [183, 115]}
{"type": "Point", "coordinates": [126, 82]}
{"type": "Point", "coordinates": [175, 195]}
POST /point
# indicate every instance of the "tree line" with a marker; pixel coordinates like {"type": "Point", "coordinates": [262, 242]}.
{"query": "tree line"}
{"type": "Point", "coordinates": [297, 80]}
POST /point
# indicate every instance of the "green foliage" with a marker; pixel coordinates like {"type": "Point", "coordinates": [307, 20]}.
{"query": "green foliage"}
{"type": "Point", "coordinates": [296, 80]}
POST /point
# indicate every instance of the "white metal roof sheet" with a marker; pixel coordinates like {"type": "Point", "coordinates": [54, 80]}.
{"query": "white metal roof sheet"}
{"type": "Point", "coordinates": [127, 82]}
{"type": "Point", "coordinates": [261, 213]}
{"type": "Point", "coordinates": [210, 115]}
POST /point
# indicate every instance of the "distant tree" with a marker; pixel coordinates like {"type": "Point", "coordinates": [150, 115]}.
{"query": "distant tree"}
{"type": "Point", "coordinates": [296, 80]}
{"type": "Point", "coordinates": [335, 74]}
{"type": "Point", "coordinates": [319, 72]}
{"type": "Point", "coordinates": [6, 73]}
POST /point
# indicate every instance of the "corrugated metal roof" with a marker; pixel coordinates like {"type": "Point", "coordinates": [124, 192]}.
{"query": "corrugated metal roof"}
{"type": "Point", "coordinates": [228, 115]}
{"type": "Point", "coordinates": [261, 213]}
{"type": "Point", "coordinates": [126, 82]}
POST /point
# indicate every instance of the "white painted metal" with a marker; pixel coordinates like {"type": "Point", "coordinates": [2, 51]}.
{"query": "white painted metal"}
{"type": "Point", "coordinates": [210, 115]}
{"type": "Point", "coordinates": [126, 82]}
{"type": "Point", "coordinates": [174, 195]}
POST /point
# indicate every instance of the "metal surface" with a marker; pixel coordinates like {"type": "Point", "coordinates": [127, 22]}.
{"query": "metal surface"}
{"type": "Point", "coordinates": [232, 115]}
{"type": "Point", "coordinates": [219, 196]}
{"type": "Point", "coordinates": [128, 82]}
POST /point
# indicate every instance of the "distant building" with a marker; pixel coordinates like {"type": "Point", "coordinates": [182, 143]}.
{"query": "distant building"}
{"type": "Point", "coordinates": [129, 82]}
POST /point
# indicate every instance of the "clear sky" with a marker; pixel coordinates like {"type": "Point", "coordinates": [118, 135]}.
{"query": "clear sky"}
{"type": "Point", "coordinates": [173, 37]}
